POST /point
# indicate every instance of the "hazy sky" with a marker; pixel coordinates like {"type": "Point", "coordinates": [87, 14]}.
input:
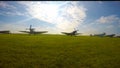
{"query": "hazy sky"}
{"type": "Point", "coordinates": [58, 16]}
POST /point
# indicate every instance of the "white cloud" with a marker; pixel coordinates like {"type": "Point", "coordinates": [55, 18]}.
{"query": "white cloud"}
{"type": "Point", "coordinates": [108, 19]}
{"type": "Point", "coordinates": [10, 9]}
{"type": "Point", "coordinates": [14, 13]}
{"type": "Point", "coordinates": [108, 24]}
{"type": "Point", "coordinates": [4, 4]}
{"type": "Point", "coordinates": [64, 15]}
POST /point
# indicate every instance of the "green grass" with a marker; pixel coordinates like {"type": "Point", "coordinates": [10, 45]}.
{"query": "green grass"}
{"type": "Point", "coordinates": [57, 51]}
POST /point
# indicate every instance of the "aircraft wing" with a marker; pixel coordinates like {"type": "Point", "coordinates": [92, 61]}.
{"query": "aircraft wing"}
{"type": "Point", "coordinates": [40, 32]}
{"type": "Point", "coordinates": [70, 33]}
{"type": "Point", "coordinates": [25, 31]}
{"type": "Point", "coordinates": [66, 33]}
{"type": "Point", "coordinates": [112, 35]}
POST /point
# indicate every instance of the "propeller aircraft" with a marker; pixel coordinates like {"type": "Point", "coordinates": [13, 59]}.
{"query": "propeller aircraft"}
{"type": "Point", "coordinates": [5, 32]}
{"type": "Point", "coordinates": [111, 35]}
{"type": "Point", "coordinates": [100, 35]}
{"type": "Point", "coordinates": [32, 31]}
{"type": "Point", "coordinates": [73, 33]}
{"type": "Point", "coordinates": [104, 35]}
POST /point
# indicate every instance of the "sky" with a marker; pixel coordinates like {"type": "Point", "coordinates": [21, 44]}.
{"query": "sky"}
{"type": "Point", "coordinates": [88, 17]}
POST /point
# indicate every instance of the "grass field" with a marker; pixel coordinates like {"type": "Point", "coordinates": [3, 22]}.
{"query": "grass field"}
{"type": "Point", "coordinates": [57, 51]}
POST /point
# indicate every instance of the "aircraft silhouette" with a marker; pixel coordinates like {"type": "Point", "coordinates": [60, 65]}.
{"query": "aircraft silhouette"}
{"type": "Point", "coordinates": [100, 35]}
{"type": "Point", "coordinates": [32, 31]}
{"type": "Point", "coordinates": [103, 35]}
{"type": "Point", "coordinates": [5, 32]}
{"type": "Point", "coordinates": [73, 33]}
{"type": "Point", "coordinates": [111, 35]}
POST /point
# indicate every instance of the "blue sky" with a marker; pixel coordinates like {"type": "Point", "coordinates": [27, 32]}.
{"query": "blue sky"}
{"type": "Point", "coordinates": [88, 17]}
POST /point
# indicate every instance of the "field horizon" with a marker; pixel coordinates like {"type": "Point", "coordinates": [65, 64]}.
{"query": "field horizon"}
{"type": "Point", "coordinates": [58, 51]}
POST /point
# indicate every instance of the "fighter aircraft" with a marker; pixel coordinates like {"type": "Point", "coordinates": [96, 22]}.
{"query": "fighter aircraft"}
{"type": "Point", "coordinates": [5, 32]}
{"type": "Point", "coordinates": [32, 31]}
{"type": "Point", "coordinates": [111, 35]}
{"type": "Point", "coordinates": [100, 35]}
{"type": "Point", "coordinates": [73, 33]}
{"type": "Point", "coordinates": [104, 35]}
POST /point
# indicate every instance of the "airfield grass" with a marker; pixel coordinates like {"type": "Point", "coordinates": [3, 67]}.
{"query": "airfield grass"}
{"type": "Point", "coordinates": [58, 51]}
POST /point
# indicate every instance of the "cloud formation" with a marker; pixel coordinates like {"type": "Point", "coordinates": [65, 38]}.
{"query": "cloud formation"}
{"type": "Point", "coordinates": [9, 9]}
{"type": "Point", "coordinates": [108, 19]}
{"type": "Point", "coordinates": [4, 4]}
{"type": "Point", "coordinates": [64, 15]}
